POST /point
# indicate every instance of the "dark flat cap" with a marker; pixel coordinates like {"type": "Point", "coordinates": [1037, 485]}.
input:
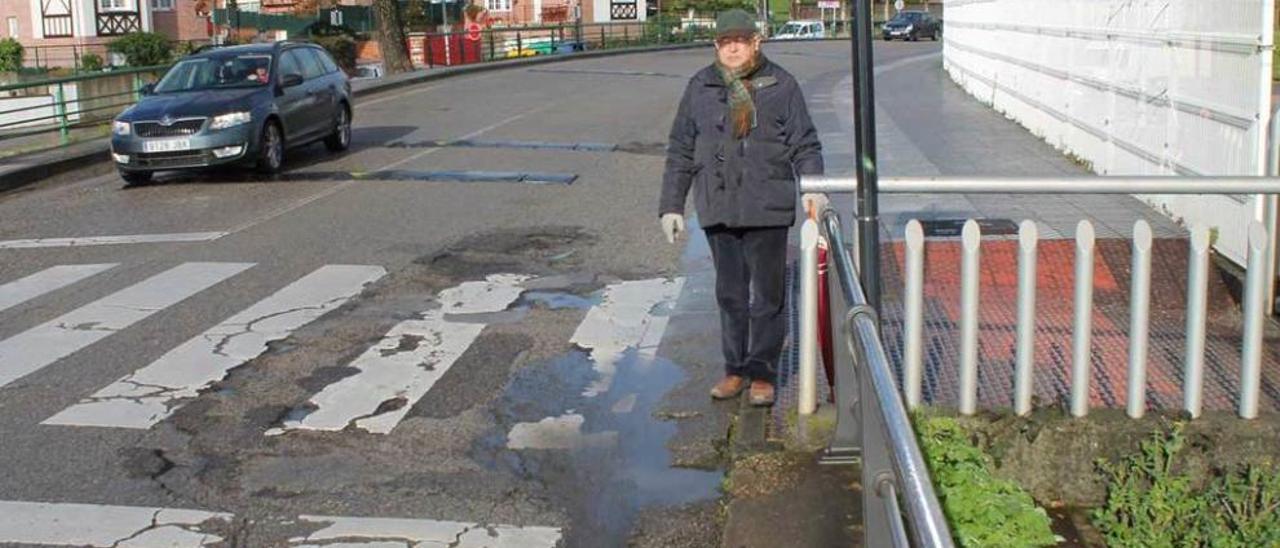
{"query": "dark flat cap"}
{"type": "Point", "coordinates": [735, 22]}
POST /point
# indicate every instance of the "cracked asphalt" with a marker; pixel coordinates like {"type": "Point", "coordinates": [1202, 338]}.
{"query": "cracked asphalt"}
{"type": "Point", "coordinates": [640, 462]}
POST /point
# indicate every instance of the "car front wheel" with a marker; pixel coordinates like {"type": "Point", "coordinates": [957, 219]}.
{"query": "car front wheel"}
{"type": "Point", "coordinates": [270, 149]}
{"type": "Point", "coordinates": [340, 139]}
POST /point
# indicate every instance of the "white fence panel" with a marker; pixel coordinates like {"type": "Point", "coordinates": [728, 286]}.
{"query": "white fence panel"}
{"type": "Point", "coordinates": [1131, 87]}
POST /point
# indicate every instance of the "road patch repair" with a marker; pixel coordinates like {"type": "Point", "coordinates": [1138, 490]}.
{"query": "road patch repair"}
{"type": "Point", "coordinates": [411, 175]}
{"type": "Point", "coordinates": [529, 145]}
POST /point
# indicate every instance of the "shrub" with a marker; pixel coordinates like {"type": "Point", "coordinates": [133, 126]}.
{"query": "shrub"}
{"type": "Point", "coordinates": [981, 509]}
{"type": "Point", "coordinates": [10, 55]}
{"type": "Point", "coordinates": [1150, 502]}
{"type": "Point", "coordinates": [343, 49]}
{"type": "Point", "coordinates": [184, 49]}
{"type": "Point", "coordinates": [91, 62]}
{"type": "Point", "coordinates": [143, 49]}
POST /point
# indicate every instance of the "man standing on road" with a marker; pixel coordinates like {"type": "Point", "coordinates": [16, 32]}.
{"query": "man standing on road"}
{"type": "Point", "coordinates": [741, 135]}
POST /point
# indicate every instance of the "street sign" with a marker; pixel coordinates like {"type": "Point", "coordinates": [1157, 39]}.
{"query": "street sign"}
{"type": "Point", "coordinates": [335, 18]}
{"type": "Point", "coordinates": [899, 5]}
{"type": "Point", "coordinates": [473, 31]}
{"type": "Point", "coordinates": [829, 4]}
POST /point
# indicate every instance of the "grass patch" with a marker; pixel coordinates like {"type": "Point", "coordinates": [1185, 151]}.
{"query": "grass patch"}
{"type": "Point", "coordinates": [983, 511]}
{"type": "Point", "coordinates": [1151, 502]}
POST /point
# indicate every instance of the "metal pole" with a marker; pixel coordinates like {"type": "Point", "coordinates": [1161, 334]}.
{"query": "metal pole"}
{"type": "Point", "coordinates": [1197, 301]}
{"type": "Point", "coordinates": [808, 316]}
{"type": "Point", "coordinates": [1254, 320]}
{"type": "Point", "coordinates": [913, 332]}
{"type": "Point", "coordinates": [1028, 236]}
{"type": "Point", "coordinates": [971, 242]}
{"type": "Point", "coordinates": [1082, 353]}
{"type": "Point", "coordinates": [1048, 185]}
{"type": "Point", "coordinates": [64, 128]}
{"type": "Point", "coordinates": [1139, 319]}
{"type": "Point", "coordinates": [864, 123]}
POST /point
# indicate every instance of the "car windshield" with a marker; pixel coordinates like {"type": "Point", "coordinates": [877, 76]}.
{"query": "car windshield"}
{"type": "Point", "coordinates": [790, 28]}
{"type": "Point", "coordinates": [226, 71]}
{"type": "Point", "coordinates": [905, 18]}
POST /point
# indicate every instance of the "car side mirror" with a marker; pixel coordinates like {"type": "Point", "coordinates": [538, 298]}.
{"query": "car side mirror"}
{"type": "Point", "coordinates": [291, 80]}
{"type": "Point", "coordinates": [147, 89]}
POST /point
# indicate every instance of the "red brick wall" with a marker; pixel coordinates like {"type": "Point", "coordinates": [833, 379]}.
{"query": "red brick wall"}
{"type": "Point", "coordinates": [182, 23]}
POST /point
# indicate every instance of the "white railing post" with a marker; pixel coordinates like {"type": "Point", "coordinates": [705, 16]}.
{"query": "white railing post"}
{"type": "Point", "coordinates": [913, 331]}
{"type": "Point", "coordinates": [1139, 318]}
{"type": "Point", "coordinates": [1197, 301]}
{"type": "Point", "coordinates": [1254, 319]}
{"type": "Point", "coordinates": [969, 281]}
{"type": "Point", "coordinates": [808, 316]}
{"type": "Point", "coordinates": [1028, 235]}
{"type": "Point", "coordinates": [1082, 335]}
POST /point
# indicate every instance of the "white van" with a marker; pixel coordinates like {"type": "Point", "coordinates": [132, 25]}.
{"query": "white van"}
{"type": "Point", "coordinates": [801, 30]}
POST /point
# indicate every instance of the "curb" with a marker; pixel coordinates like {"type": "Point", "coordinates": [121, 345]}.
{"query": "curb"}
{"type": "Point", "coordinates": [22, 170]}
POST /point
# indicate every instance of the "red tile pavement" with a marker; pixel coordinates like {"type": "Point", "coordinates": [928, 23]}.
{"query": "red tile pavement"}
{"type": "Point", "coordinates": [1055, 279]}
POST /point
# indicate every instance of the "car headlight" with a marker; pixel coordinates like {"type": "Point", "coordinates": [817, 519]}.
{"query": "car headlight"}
{"type": "Point", "coordinates": [120, 128]}
{"type": "Point", "coordinates": [232, 119]}
{"type": "Point", "coordinates": [909, 28]}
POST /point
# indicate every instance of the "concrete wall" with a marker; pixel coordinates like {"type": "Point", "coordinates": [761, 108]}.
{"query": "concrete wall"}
{"type": "Point", "coordinates": [1130, 87]}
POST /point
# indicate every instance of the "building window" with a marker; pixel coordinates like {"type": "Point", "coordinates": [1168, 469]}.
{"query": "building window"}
{"type": "Point", "coordinates": [162, 5]}
{"type": "Point", "coordinates": [113, 5]}
{"type": "Point", "coordinates": [13, 27]}
{"type": "Point", "coordinates": [498, 5]}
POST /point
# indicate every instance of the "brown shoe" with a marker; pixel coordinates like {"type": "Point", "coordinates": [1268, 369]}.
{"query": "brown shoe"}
{"type": "Point", "coordinates": [728, 387]}
{"type": "Point", "coordinates": [761, 394]}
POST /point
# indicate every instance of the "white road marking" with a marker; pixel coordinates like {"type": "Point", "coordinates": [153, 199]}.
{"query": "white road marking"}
{"type": "Point", "coordinates": [50, 279]}
{"type": "Point", "coordinates": [422, 532]}
{"type": "Point", "coordinates": [149, 395]}
{"type": "Point", "coordinates": [624, 320]}
{"type": "Point", "coordinates": [563, 432]}
{"type": "Point", "coordinates": [65, 524]}
{"type": "Point", "coordinates": [87, 241]}
{"type": "Point", "coordinates": [100, 525]}
{"type": "Point", "coordinates": [42, 345]}
{"type": "Point", "coordinates": [407, 362]}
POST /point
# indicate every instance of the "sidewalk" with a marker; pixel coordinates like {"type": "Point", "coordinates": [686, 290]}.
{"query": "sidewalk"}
{"type": "Point", "coordinates": [928, 126]}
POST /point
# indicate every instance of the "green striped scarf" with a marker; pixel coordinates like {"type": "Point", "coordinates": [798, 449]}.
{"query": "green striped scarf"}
{"type": "Point", "coordinates": [742, 109]}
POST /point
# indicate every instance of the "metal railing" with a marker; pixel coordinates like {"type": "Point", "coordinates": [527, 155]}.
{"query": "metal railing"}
{"type": "Point", "coordinates": [1256, 287]}
{"type": "Point", "coordinates": [60, 106]}
{"type": "Point", "coordinates": [899, 505]}
{"type": "Point", "coordinates": [496, 44]}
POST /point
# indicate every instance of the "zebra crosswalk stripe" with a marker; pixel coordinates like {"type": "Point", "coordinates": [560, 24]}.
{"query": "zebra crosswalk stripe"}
{"type": "Point", "coordinates": [50, 279]}
{"type": "Point", "coordinates": [149, 395]}
{"type": "Point", "coordinates": [408, 361]}
{"type": "Point", "coordinates": [45, 344]}
{"type": "Point", "coordinates": [100, 525]}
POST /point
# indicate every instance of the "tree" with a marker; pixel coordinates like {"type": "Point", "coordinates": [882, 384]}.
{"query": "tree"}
{"type": "Point", "coordinates": [143, 49]}
{"type": "Point", "coordinates": [10, 55]}
{"type": "Point", "coordinates": [391, 39]}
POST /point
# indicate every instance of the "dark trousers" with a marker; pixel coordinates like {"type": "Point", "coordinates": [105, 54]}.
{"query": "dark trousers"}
{"type": "Point", "coordinates": [751, 290]}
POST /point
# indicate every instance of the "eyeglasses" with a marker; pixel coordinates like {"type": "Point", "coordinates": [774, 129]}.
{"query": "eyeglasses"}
{"type": "Point", "coordinates": [739, 39]}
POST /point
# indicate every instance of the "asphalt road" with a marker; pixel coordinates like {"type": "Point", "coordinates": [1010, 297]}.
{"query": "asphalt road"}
{"type": "Point", "coordinates": [319, 359]}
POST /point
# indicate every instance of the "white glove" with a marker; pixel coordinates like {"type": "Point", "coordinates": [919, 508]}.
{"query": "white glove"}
{"type": "Point", "coordinates": [672, 226]}
{"type": "Point", "coordinates": [814, 201]}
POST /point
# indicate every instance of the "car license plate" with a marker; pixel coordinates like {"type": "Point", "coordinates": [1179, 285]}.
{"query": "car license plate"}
{"type": "Point", "coordinates": [167, 145]}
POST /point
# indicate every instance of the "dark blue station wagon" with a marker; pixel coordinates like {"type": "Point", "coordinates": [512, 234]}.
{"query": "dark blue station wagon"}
{"type": "Point", "coordinates": [241, 105]}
